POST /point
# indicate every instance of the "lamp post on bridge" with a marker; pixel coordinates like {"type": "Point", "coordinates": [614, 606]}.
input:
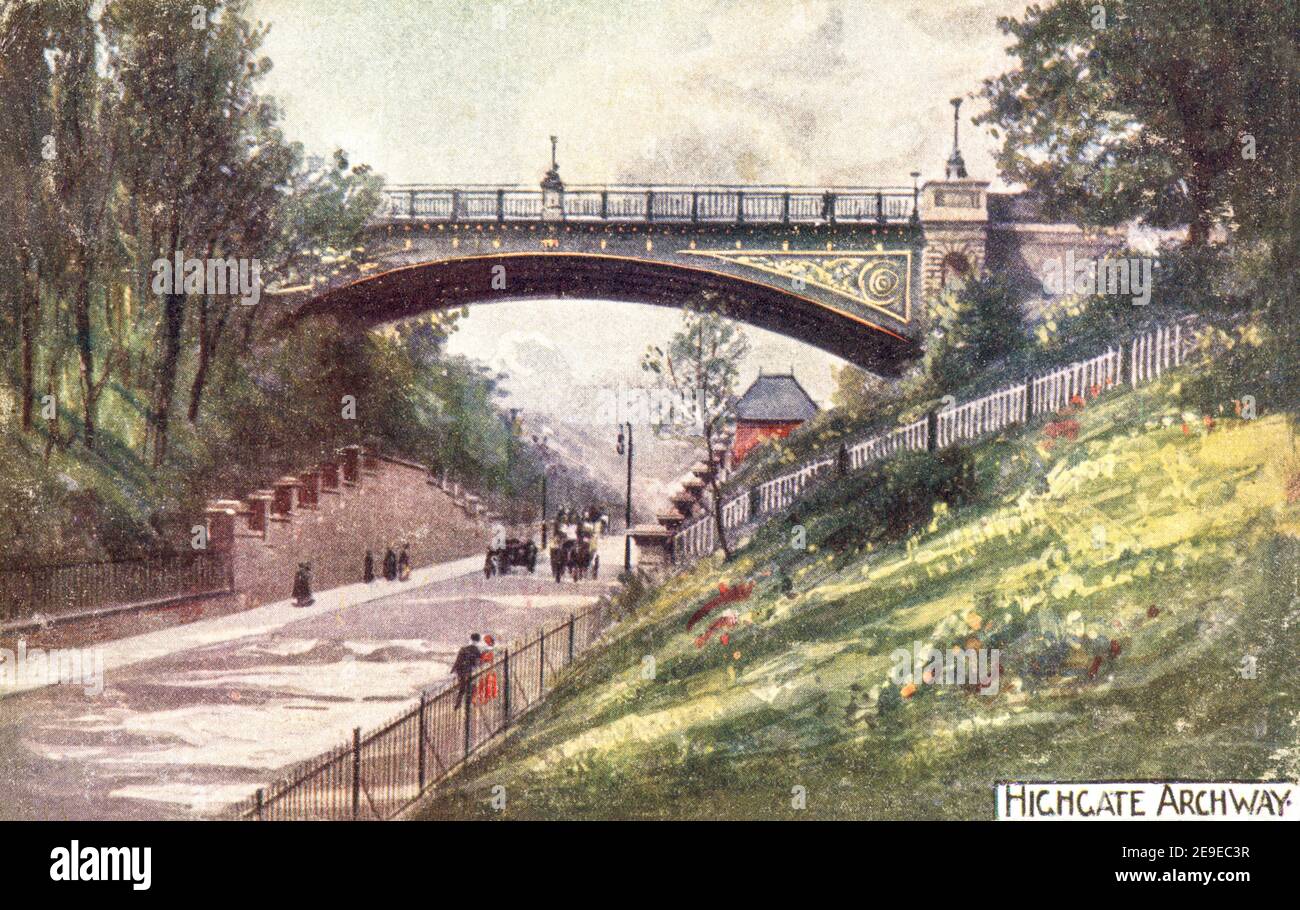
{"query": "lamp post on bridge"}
{"type": "Point", "coordinates": [553, 190]}
{"type": "Point", "coordinates": [956, 169]}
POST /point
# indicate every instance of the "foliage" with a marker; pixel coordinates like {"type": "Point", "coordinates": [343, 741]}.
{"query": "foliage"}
{"type": "Point", "coordinates": [979, 330]}
{"type": "Point", "coordinates": [1175, 111]}
{"type": "Point", "coordinates": [136, 130]}
{"type": "Point", "coordinates": [702, 364]}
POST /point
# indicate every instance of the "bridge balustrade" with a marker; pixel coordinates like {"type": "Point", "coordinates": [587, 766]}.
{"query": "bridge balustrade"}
{"type": "Point", "coordinates": [673, 204]}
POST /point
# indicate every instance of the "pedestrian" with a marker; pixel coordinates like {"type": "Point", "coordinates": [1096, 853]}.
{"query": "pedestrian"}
{"type": "Point", "coordinates": [302, 586]}
{"type": "Point", "coordinates": [390, 565]}
{"type": "Point", "coordinates": [368, 568]}
{"type": "Point", "coordinates": [467, 661]}
{"type": "Point", "coordinates": [404, 563]}
{"type": "Point", "coordinates": [486, 690]}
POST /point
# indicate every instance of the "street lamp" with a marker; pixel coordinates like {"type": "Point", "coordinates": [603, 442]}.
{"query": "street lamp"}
{"type": "Point", "coordinates": [544, 450]}
{"type": "Point", "coordinates": [627, 518]}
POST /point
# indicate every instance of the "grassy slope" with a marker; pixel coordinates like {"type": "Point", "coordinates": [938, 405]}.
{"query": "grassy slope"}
{"type": "Point", "coordinates": [54, 511]}
{"type": "Point", "coordinates": [1196, 525]}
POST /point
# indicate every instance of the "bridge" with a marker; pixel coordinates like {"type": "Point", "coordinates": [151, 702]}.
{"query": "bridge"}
{"type": "Point", "coordinates": [843, 268]}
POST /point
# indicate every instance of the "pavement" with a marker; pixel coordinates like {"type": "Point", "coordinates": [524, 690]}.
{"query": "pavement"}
{"type": "Point", "coordinates": [194, 717]}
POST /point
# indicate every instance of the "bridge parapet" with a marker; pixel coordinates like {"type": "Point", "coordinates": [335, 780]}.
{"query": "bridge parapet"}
{"type": "Point", "coordinates": [644, 203]}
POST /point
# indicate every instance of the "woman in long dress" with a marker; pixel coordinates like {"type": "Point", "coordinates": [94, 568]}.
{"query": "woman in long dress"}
{"type": "Point", "coordinates": [302, 586]}
{"type": "Point", "coordinates": [486, 688]}
{"type": "Point", "coordinates": [404, 564]}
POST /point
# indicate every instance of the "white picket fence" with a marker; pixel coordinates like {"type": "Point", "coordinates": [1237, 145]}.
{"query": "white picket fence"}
{"type": "Point", "coordinates": [975, 418]}
{"type": "Point", "coordinates": [1149, 355]}
{"type": "Point", "coordinates": [1154, 352]}
{"type": "Point", "coordinates": [911, 437]}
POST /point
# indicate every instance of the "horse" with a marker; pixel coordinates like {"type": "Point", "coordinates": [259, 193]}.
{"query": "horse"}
{"type": "Point", "coordinates": [560, 558]}
{"type": "Point", "coordinates": [580, 559]}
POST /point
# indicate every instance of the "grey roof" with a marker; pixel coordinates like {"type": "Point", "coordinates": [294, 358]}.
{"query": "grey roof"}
{"type": "Point", "coordinates": [775, 397]}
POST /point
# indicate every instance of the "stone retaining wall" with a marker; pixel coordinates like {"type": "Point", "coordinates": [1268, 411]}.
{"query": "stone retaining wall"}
{"type": "Point", "coordinates": [330, 514]}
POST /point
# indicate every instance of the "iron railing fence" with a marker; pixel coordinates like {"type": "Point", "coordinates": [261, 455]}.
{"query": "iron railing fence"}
{"type": "Point", "coordinates": [1143, 357]}
{"type": "Point", "coordinates": [63, 591]}
{"type": "Point", "coordinates": [651, 203]}
{"type": "Point", "coordinates": [378, 774]}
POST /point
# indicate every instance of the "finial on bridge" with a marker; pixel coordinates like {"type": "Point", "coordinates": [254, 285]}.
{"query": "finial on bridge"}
{"type": "Point", "coordinates": [956, 167]}
{"type": "Point", "coordinates": [552, 179]}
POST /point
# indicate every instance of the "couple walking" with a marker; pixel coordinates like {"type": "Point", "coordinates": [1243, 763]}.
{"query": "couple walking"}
{"type": "Point", "coordinates": [395, 567]}
{"type": "Point", "coordinates": [469, 660]}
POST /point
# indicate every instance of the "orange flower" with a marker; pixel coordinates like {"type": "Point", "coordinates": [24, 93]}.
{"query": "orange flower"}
{"type": "Point", "coordinates": [908, 690]}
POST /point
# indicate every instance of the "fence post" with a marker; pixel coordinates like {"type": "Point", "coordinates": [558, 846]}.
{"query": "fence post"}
{"type": "Point", "coordinates": [424, 738]}
{"type": "Point", "coordinates": [932, 430]}
{"type": "Point", "coordinates": [469, 710]}
{"type": "Point", "coordinates": [356, 772]}
{"type": "Point", "coordinates": [541, 664]}
{"type": "Point", "coordinates": [571, 620]}
{"type": "Point", "coordinates": [505, 704]}
{"type": "Point", "coordinates": [260, 803]}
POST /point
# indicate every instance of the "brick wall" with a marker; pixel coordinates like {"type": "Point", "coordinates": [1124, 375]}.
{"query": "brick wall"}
{"type": "Point", "coordinates": [750, 433]}
{"type": "Point", "coordinates": [331, 514]}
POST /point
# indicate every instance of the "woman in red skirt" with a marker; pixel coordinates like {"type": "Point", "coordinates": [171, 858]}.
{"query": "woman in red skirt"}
{"type": "Point", "coordinates": [486, 688]}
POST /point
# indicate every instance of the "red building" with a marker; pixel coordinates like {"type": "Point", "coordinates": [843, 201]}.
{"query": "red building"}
{"type": "Point", "coordinates": [772, 407]}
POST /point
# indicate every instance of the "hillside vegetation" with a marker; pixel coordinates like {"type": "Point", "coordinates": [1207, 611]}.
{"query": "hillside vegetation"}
{"type": "Point", "coordinates": [1125, 575]}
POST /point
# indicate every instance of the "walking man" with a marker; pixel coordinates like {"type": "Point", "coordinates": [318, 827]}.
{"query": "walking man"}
{"type": "Point", "coordinates": [390, 565]}
{"type": "Point", "coordinates": [302, 586]}
{"type": "Point", "coordinates": [404, 564]}
{"type": "Point", "coordinates": [368, 568]}
{"type": "Point", "coordinates": [467, 661]}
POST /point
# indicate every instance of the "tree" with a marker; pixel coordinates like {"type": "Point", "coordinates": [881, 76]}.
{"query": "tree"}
{"type": "Point", "coordinates": [701, 365]}
{"type": "Point", "coordinates": [975, 330]}
{"type": "Point", "coordinates": [196, 174]}
{"type": "Point", "coordinates": [1177, 111]}
{"type": "Point", "coordinates": [82, 172]}
{"type": "Point", "coordinates": [24, 229]}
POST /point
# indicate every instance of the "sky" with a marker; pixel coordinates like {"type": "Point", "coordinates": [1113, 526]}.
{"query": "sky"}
{"type": "Point", "coordinates": [688, 91]}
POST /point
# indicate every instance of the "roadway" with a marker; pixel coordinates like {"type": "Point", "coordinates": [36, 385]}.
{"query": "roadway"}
{"type": "Point", "coordinates": [193, 718]}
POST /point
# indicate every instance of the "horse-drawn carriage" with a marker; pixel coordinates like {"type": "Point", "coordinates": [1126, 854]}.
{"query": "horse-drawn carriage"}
{"type": "Point", "coordinates": [575, 544]}
{"type": "Point", "coordinates": [515, 552]}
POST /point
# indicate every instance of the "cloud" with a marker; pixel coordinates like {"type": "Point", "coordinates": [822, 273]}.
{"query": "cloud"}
{"type": "Point", "coordinates": [823, 91]}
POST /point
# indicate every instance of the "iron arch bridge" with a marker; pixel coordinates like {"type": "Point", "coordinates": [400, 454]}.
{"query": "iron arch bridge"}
{"type": "Point", "coordinates": [836, 267]}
